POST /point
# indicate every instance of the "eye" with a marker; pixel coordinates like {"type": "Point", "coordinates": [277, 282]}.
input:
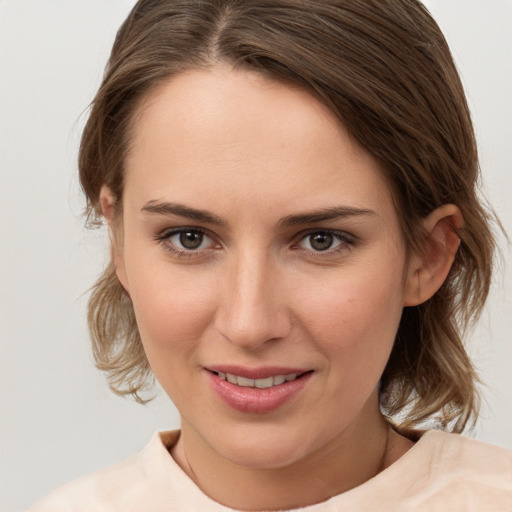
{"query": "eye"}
{"type": "Point", "coordinates": [191, 240]}
{"type": "Point", "coordinates": [321, 241]}
{"type": "Point", "coordinates": [186, 241]}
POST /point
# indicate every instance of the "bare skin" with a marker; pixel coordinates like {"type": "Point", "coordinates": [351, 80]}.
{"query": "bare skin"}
{"type": "Point", "coordinates": [310, 481]}
{"type": "Point", "coordinates": [259, 237]}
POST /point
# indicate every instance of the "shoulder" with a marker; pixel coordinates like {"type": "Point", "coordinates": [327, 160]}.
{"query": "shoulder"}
{"type": "Point", "coordinates": [90, 492]}
{"type": "Point", "coordinates": [126, 486]}
{"type": "Point", "coordinates": [460, 473]}
{"type": "Point", "coordinates": [441, 473]}
{"type": "Point", "coordinates": [452, 452]}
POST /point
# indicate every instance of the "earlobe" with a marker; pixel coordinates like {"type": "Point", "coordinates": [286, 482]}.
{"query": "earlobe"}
{"type": "Point", "coordinates": [107, 203]}
{"type": "Point", "coordinates": [428, 271]}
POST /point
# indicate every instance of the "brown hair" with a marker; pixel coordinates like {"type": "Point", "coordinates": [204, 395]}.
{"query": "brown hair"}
{"type": "Point", "coordinates": [384, 68]}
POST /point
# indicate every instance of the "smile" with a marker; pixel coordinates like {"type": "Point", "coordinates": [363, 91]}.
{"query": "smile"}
{"type": "Point", "coordinates": [268, 382]}
{"type": "Point", "coordinates": [258, 391]}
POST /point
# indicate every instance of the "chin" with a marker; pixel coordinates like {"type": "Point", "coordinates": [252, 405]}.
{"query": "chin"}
{"type": "Point", "coordinates": [262, 457]}
{"type": "Point", "coordinates": [264, 447]}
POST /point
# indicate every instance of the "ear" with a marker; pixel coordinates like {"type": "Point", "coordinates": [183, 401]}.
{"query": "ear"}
{"type": "Point", "coordinates": [428, 271]}
{"type": "Point", "coordinates": [108, 208]}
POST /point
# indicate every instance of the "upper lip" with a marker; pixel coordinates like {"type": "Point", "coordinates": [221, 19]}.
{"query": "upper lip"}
{"type": "Point", "coordinates": [261, 372]}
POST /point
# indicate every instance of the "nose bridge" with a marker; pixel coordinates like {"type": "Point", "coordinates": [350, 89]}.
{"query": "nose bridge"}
{"type": "Point", "coordinates": [253, 311]}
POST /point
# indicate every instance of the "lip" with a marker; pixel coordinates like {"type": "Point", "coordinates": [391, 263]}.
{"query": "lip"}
{"type": "Point", "coordinates": [256, 373]}
{"type": "Point", "coordinates": [254, 400]}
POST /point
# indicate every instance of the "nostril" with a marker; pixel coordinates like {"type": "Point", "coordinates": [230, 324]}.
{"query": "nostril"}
{"type": "Point", "coordinates": [252, 331]}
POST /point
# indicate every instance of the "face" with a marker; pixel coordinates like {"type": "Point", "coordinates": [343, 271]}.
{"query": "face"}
{"type": "Point", "coordinates": [263, 256]}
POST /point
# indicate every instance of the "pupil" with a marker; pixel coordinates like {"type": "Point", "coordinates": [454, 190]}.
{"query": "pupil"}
{"type": "Point", "coordinates": [321, 241]}
{"type": "Point", "coordinates": [191, 239]}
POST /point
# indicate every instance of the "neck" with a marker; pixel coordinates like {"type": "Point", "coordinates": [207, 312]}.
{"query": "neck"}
{"type": "Point", "coordinates": [362, 450]}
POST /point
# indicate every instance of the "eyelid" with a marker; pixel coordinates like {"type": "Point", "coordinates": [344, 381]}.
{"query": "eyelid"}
{"type": "Point", "coordinates": [168, 232]}
{"type": "Point", "coordinates": [346, 239]}
{"type": "Point", "coordinates": [165, 235]}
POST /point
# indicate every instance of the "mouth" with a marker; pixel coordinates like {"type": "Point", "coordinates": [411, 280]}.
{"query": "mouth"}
{"type": "Point", "coordinates": [261, 383]}
{"type": "Point", "coordinates": [258, 390]}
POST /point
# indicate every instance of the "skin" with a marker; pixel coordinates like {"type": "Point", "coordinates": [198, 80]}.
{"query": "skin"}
{"type": "Point", "coordinates": [253, 153]}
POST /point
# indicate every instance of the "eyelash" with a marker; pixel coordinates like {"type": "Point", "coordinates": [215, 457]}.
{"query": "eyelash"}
{"type": "Point", "coordinates": [165, 239]}
{"type": "Point", "coordinates": [347, 241]}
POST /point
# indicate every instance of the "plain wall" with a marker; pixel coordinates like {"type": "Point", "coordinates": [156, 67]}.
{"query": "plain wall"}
{"type": "Point", "coordinates": [58, 419]}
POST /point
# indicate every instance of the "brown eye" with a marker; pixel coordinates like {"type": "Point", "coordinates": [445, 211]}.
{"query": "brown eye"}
{"type": "Point", "coordinates": [191, 239]}
{"type": "Point", "coordinates": [321, 241]}
{"type": "Point", "coordinates": [187, 240]}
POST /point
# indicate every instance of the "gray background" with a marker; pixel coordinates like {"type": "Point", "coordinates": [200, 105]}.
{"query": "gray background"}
{"type": "Point", "coordinates": [58, 419]}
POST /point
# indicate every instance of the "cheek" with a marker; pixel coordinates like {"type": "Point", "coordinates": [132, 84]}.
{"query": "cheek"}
{"type": "Point", "coordinates": [173, 312]}
{"type": "Point", "coordinates": [356, 317]}
{"type": "Point", "coordinates": [354, 327]}
{"type": "Point", "coordinates": [171, 308]}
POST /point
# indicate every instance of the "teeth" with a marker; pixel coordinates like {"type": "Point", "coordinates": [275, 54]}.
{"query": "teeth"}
{"type": "Point", "coordinates": [264, 383]}
{"type": "Point", "coordinates": [268, 382]}
{"type": "Point", "coordinates": [246, 383]}
{"type": "Point", "coordinates": [279, 379]}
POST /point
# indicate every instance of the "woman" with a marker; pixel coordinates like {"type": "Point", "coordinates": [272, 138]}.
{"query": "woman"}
{"type": "Point", "coordinates": [297, 246]}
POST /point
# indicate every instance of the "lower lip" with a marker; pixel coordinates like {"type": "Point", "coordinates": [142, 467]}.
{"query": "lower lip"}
{"type": "Point", "coordinates": [255, 400]}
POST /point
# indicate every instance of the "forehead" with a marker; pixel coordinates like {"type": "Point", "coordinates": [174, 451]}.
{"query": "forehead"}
{"type": "Point", "coordinates": [257, 141]}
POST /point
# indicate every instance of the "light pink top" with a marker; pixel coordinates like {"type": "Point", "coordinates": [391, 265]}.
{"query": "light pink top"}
{"type": "Point", "coordinates": [441, 472]}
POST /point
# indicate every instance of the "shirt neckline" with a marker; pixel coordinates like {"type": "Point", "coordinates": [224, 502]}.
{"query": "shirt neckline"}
{"type": "Point", "coordinates": [403, 471]}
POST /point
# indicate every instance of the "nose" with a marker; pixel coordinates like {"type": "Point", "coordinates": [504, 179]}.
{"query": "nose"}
{"type": "Point", "coordinates": [253, 308]}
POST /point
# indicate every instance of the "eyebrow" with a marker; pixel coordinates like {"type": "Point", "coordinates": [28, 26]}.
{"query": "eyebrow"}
{"type": "Point", "coordinates": [334, 213]}
{"type": "Point", "coordinates": [326, 214]}
{"type": "Point", "coordinates": [165, 208]}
